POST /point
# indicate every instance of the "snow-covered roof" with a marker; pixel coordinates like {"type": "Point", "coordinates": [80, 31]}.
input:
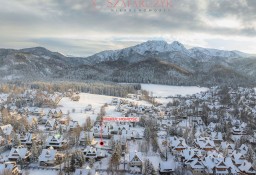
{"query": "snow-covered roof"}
{"type": "Point", "coordinates": [132, 155]}
{"type": "Point", "coordinates": [197, 164]}
{"type": "Point", "coordinates": [50, 122]}
{"type": "Point", "coordinates": [19, 152]}
{"type": "Point", "coordinates": [167, 166]}
{"type": "Point", "coordinates": [204, 142]}
{"type": "Point", "coordinates": [27, 137]}
{"type": "Point", "coordinates": [94, 152]}
{"type": "Point", "coordinates": [47, 155]}
{"type": "Point", "coordinates": [6, 129]}
{"type": "Point", "coordinates": [226, 145]}
{"type": "Point", "coordinates": [238, 158]}
{"type": "Point", "coordinates": [178, 142]}
{"type": "Point", "coordinates": [219, 162]}
{"type": "Point", "coordinates": [247, 167]}
{"type": "Point", "coordinates": [216, 136]}
{"type": "Point", "coordinates": [54, 139]}
{"type": "Point", "coordinates": [73, 124]}
{"type": "Point", "coordinates": [90, 150]}
{"type": "Point", "coordinates": [243, 149]}
{"type": "Point", "coordinates": [191, 153]}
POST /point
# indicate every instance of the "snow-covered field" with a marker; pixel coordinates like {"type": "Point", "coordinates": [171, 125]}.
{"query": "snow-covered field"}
{"type": "Point", "coordinates": [79, 106]}
{"type": "Point", "coordinates": [165, 90]}
{"type": "Point", "coordinates": [77, 111]}
{"type": "Point", "coordinates": [161, 92]}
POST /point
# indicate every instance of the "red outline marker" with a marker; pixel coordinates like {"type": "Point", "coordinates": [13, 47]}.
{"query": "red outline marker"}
{"type": "Point", "coordinates": [101, 130]}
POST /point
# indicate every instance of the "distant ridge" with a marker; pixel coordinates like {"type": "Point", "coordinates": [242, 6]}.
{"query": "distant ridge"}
{"type": "Point", "coordinates": [148, 62]}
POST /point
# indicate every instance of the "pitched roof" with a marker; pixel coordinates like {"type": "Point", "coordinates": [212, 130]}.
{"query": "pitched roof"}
{"type": "Point", "coordinates": [7, 129]}
{"type": "Point", "coordinates": [247, 167]}
{"type": "Point", "coordinates": [47, 155]}
{"type": "Point", "coordinates": [20, 151]}
{"type": "Point", "coordinates": [132, 155]}
{"type": "Point", "coordinates": [196, 164]}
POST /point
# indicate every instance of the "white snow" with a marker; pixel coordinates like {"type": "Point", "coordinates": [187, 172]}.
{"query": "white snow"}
{"type": "Point", "coordinates": [42, 172]}
{"type": "Point", "coordinates": [216, 52]}
{"type": "Point", "coordinates": [85, 99]}
{"type": "Point", "coordinates": [166, 91]}
{"type": "Point", "coordinates": [154, 45]}
{"type": "Point", "coordinates": [162, 46]}
{"type": "Point", "coordinates": [97, 101]}
{"type": "Point", "coordinates": [159, 46]}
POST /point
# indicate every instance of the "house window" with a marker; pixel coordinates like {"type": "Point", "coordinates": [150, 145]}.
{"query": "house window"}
{"type": "Point", "coordinates": [135, 159]}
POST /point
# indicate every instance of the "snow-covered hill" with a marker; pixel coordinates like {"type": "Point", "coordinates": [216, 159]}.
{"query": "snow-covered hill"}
{"type": "Point", "coordinates": [156, 62]}
{"type": "Point", "coordinates": [159, 47]}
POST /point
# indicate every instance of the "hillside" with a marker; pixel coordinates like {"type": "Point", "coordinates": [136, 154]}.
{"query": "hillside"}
{"type": "Point", "coordinates": [150, 62]}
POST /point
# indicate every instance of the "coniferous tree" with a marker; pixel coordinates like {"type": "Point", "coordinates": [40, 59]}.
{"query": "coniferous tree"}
{"type": "Point", "coordinates": [155, 144]}
{"type": "Point", "coordinates": [147, 134]}
{"type": "Point", "coordinates": [16, 141]}
{"type": "Point", "coordinates": [72, 163]}
{"type": "Point", "coordinates": [91, 162]}
{"type": "Point", "coordinates": [34, 151]}
{"type": "Point", "coordinates": [149, 168]}
{"type": "Point", "coordinates": [116, 157]}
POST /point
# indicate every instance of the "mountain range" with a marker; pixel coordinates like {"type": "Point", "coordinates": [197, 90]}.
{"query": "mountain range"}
{"type": "Point", "coordinates": [149, 62]}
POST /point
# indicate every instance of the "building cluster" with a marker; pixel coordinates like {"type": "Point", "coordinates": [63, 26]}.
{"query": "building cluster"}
{"type": "Point", "coordinates": [211, 132]}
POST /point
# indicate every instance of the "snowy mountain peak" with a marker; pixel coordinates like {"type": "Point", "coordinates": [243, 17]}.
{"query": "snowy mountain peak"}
{"type": "Point", "coordinates": [177, 46]}
{"type": "Point", "coordinates": [173, 50]}
{"type": "Point", "coordinates": [155, 42]}
{"type": "Point", "coordinates": [158, 46]}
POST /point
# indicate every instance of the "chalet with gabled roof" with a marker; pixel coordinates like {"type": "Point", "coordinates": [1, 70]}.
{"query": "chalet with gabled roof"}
{"type": "Point", "coordinates": [197, 167]}
{"type": "Point", "coordinates": [49, 157]}
{"type": "Point", "coordinates": [177, 144]}
{"type": "Point", "coordinates": [19, 153]}
{"type": "Point", "coordinates": [247, 168]}
{"type": "Point", "coordinates": [135, 160]}
{"type": "Point", "coordinates": [57, 142]}
{"type": "Point", "coordinates": [205, 143]}
{"type": "Point", "coordinates": [91, 152]}
{"type": "Point", "coordinates": [6, 131]}
{"type": "Point", "coordinates": [51, 125]}
{"type": "Point", "coordinates": [26, 139]}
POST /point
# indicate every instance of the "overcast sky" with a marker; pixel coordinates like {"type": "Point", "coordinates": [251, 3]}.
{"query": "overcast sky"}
{"type": "Point", "coordinates": [75, 27]}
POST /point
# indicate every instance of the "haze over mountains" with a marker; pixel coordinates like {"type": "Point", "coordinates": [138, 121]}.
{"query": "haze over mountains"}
{"type": "Point", "coordinates": [148, 62]}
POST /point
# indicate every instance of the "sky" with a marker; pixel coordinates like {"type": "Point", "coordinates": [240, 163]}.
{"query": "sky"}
{"type": "Point", "coordinates": [85, 27]}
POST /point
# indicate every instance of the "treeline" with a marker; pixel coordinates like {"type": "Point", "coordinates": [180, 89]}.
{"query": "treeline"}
{"type": "Point", "coordinates": [206, 80]}
{"type": "Point", "coordinates": [13, 88]}
{"type": "Point", "coordinates": [101, 88]}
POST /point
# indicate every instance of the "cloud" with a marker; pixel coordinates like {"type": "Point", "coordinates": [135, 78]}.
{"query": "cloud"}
{"type": "Point", "coordinates": [75, 27]}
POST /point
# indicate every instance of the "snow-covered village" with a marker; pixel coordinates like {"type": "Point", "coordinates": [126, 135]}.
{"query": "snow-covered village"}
{"type": "Point", "coordinates": [179, 131]}
{"type": "Point", "coordinates": [127, 87]}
